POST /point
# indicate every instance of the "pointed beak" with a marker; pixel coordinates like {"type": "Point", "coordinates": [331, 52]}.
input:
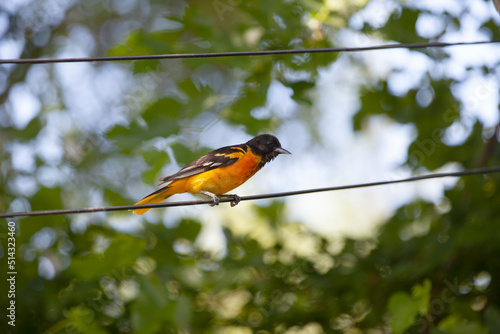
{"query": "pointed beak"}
{"type": "Point", "coordinates": [280, 150]}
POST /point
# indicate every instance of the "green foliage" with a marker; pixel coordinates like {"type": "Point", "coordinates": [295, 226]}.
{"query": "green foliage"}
{"type": "Point", "coordinates": [122, 252]}
{"type": "Point", "coordinates": [401, 27]}
{"type": "Point", "coordinates": [81, 319]}
{"type": "Point", "coordinates": [162, 119]}
{"type": "Point", "coordinates": [430, 268]}
{"type": "Point", "coordinates": [404, 308]}
{"type": "Point", "coordinates": [155, 160]}
{"type": "Point", "coordinates": [430, 121]}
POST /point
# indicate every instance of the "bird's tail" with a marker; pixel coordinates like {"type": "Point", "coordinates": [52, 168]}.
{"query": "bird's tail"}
{"type": "Point", "coordinates": [157, 197]}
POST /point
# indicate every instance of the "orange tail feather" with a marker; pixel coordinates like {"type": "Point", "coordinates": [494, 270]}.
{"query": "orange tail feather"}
{"type": "Point", "coordinates": [154, 198]}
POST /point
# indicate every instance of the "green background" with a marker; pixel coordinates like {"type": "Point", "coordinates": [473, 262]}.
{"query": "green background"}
{"type": "Point", "coordinates": [443, 278]}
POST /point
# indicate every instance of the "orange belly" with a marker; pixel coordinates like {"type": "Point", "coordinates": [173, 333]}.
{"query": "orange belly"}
{"type": "Point", "coordinates": [221, 180]}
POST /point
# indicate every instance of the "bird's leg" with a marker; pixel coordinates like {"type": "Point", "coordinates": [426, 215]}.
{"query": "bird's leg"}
{"type": "Point", "coordinates": [212, 196]}
{"type": "Point", "coordinates": [235, 201]}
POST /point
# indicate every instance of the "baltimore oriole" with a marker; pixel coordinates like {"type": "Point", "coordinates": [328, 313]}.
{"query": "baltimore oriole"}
{"type": "Point", "coordinates": [219, 171]}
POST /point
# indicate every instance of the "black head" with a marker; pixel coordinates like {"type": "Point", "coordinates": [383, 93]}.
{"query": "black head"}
{"type": "Point", "coordinates": [267, 146]}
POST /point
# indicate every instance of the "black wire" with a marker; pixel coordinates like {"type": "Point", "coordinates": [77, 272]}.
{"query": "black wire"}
{"type": "Point", "coordinates": [252, 197]}
{"type": "Point", "coordinates": [239, 53]}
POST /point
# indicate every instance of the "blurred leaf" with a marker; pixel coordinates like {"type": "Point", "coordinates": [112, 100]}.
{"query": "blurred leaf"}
{"type": "Point", "coordinates": [122, 252]}
{"type": "Point", "coordinates": [492, 27]}
{"type": "Point", "coordinates": [156, 160]}
{"type": "Point", "coordinates": [492, 315]}
{"type": "Point", "coordinates": [161, 119]}
{"type": "Point", "coordinates": [431, 122]}
{"type": "Point", "coordinates": [152, 308]}
{"type": "Point", "coordinates": [404, 308]}
{"type": "Point", "coordinates": [457, 325]}
{"type": "Point", "coordinates": [273, 212]}
{"type": "Point", "coordinates": [82, 319]}
{"type": "Point", "coordinates": [184, 311]}
{"type": "Point", "coordinates": [302, 91]}
{"type": "Point", "coordinates": [185, 155]}
{"type": "Point", "coordinates": [135, 44]}
{"type": "Point", "coordinates": [30, 131]}
{"type": "Point", "coordinates": [401, 27]}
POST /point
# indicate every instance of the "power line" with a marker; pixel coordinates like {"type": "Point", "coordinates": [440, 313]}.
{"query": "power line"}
{"type": "Point", "coordinates": [489, 170]}
{"type": "Point", "coordinates": [239, 53]}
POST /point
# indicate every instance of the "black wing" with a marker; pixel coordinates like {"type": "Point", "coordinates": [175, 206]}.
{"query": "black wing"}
{"type": "Point", "coordinates": [221, 157]}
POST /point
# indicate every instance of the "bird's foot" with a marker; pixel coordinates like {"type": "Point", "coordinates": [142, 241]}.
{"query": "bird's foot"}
{"type": "Point", "coordinates": [235, 199]}
{"type": "Point", "coordinates": [214, 197]}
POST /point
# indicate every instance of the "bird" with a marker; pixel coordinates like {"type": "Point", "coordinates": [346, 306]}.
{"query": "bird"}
{"type": "Point", "coordinates": [218, 172]}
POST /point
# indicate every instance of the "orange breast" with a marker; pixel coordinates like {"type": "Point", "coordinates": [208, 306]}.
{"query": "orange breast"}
{"type": "Point", "coordinates": [221, 180]}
